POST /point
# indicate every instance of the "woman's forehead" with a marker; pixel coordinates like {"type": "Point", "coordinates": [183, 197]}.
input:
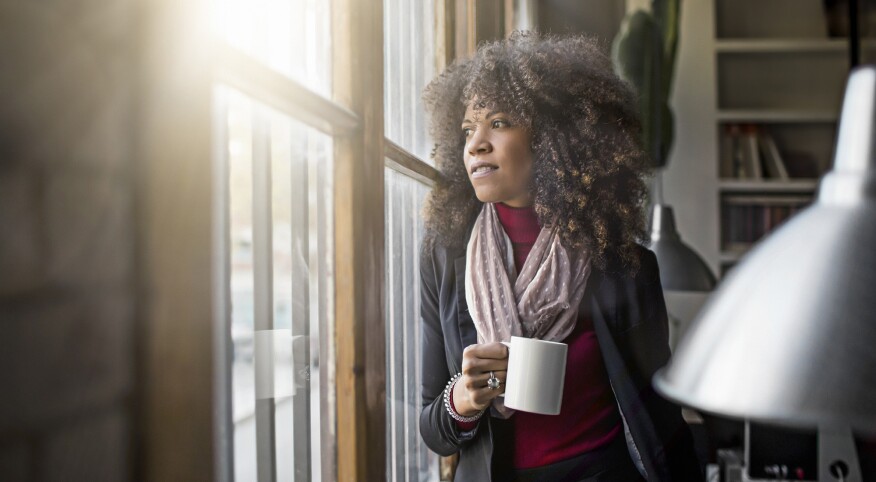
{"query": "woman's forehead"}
{"type": "Point", "coordinates": [478, 109]}
{"type": "Point", "coordinates": [483, 108]}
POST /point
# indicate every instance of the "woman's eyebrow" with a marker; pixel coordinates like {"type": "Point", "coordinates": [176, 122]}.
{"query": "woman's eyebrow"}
{"type": "Point", "coordinates": [490, 114]}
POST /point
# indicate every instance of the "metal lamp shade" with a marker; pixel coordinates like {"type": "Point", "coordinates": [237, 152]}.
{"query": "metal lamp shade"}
{"type": "Point", "coordinates": [681, 268]}
{"type": "Point", "coordinates": [790, 336]}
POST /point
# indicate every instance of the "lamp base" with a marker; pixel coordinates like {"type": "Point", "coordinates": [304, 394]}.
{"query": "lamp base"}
{"type": "Point", "coordinates": [837, 455]}
{"type": "Point", "coordinates": [772, 452]}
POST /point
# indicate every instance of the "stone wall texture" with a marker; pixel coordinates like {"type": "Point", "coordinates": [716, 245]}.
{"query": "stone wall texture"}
{"type": "Point", "coordinates": [67, 304]}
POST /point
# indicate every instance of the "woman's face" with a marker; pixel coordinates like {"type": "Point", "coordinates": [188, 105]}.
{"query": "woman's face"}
{"type": "Point", "coordinates": [498, 157]}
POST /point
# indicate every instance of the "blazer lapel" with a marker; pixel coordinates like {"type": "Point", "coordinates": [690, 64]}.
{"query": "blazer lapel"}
{"type": "Point", "coordinates": [468, 335]}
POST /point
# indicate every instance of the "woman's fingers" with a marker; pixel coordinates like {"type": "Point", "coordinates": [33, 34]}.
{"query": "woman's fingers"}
{"type": "Point", "coordinates": [478, 382]}
{"type": "Point", "coordinates": [479, 393]}
{"type": "Point", "coordinates": [483, 397]}
{"type": "Point", "coordinates": [483, 358]}
{"type": "Point", "coordinates": [477, 363]}
{"type": "Point", "coordinates": [487, 350]}
{"type": "Point", "coordinates": [479, 366]}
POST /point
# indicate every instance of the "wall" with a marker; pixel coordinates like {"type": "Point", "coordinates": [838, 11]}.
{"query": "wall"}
{"type": "Point", "coordinates": [690, 181]}
{"type": "Point", "coordinates": [67, 303]}
{"type": "Point", "coordinates": [601, 18]}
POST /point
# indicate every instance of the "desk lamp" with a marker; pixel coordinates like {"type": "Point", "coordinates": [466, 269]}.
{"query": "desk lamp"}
{"type": "Point", "coordinates": [789, 338]}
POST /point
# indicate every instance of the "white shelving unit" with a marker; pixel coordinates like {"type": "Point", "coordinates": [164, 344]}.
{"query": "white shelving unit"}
{"type": "Point", "coordinates": [769, 186]}
{"type": "Point", "coordinates": [767, 67]}
{"type": "Point", "coordinates": [780, 45]}
{"type": "Point", "coordinates": [787, 88]}
{"type": "Point", "coordinates": [776, 115]}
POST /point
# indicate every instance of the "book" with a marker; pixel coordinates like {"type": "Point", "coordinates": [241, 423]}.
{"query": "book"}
{"type": "Point", "coordinates": [772, 158]}
{"type": "Point", "coordinates": [729, 141]}
{"type": "Point", "coordinates": [751, 152]}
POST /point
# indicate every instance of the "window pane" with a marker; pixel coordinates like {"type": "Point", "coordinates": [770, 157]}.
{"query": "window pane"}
{"type": "Point", "coordinates": [409, 64]}
{"type": "Point", "coordinates": [281, 291]}
{"type": "Point", "coordinates": [408, 458]}
{"type": "Point", "coordinates": [292, 37]}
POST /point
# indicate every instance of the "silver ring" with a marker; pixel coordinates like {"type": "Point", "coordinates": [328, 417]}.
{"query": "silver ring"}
{"type": "Point", "coordinates": [493, 382]}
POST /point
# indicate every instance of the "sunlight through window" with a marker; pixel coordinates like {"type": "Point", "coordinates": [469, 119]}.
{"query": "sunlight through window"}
{"type": "Point", "coordinates": [292, 37]}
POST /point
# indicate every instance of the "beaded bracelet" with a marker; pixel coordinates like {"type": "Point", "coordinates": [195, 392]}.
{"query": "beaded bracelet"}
{"type": "Point", "coordinates": [450, 410]}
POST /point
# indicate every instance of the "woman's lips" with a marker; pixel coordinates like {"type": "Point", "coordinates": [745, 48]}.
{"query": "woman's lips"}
{"type": "Point", "coordinates": [483, 172]}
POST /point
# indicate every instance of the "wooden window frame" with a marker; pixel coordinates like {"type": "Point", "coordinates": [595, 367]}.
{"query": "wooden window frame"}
{"type": "Point", "coordinates": [182, 407]}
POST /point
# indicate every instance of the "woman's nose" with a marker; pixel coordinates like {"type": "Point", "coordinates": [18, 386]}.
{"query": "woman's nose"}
{"type": "Point", "coordinates": [479, 144]}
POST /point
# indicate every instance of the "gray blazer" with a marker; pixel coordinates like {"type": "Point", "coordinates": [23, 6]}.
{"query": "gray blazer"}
{"type": "Point", "coordinates": [629, 317]}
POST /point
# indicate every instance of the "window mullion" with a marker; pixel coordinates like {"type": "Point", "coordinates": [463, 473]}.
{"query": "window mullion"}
{"type": "Point", "coordinates": [359, 248]}
{"type": "Point", "coordinates": [301, 412]}
{"type": "Point", "coordinates": [263, 291]}
{"type": "Point", "coordinates": [287, 95]}
{"type": "Point", "coordinates": [222, 305]}
{"type": "Point", "coordinates": [398, 159]}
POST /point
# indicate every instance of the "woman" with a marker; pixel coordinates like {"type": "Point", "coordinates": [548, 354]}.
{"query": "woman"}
{"type": "Point", "coordinates": [538, 143]}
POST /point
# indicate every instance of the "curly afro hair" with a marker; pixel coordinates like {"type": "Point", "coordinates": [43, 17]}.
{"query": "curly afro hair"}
{"type": "Point", "coordinates": [588, 161]}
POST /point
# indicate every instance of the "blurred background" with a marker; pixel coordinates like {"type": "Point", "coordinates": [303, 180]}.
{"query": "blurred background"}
{"type": "Point", "coordinates": [210, 214]}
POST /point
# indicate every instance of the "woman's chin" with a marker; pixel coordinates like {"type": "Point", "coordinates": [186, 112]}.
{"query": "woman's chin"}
{"type": "Point", "coordinates": [488, 197]}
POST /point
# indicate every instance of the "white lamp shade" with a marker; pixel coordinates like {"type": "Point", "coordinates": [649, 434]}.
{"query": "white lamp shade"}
{"type": "Point", "coordinates": [790, 336]}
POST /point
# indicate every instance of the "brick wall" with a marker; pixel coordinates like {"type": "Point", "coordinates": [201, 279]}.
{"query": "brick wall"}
{"type": "Point", "coordinates": [67, 304]}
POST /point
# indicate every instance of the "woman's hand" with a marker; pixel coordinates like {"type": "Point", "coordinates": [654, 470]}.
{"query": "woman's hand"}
{"type": "Point", "coordinates": [471, 393]}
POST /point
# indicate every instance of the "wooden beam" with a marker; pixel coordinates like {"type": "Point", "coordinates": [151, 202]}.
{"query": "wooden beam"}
{"type": "Point", "coordinates": [176, 318]}
{"type": "Point", "coordinates": [410, 165]}
{"type": "Point", "coordinates": [464, 28]}
{"type": "Point", "coordinates": [253, 78]}
{"type": "Point", "coordinates": [445, 33]}
{"type": "Point", "coordinates": [509, 15]}
{"type": "Point", "coordinates": [359, 258]}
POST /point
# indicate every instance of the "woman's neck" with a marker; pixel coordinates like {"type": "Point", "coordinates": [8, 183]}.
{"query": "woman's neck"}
{"type": "Point", "coordinates": [521, 224]}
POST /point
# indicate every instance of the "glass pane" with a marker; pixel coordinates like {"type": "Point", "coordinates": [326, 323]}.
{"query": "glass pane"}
{"type": "Point", "coordinates": [292, 37]}
{"type": "Point", "coordinates": [408, 458]}
{"type": "Point", "coordinates": [281, 290]}
{"type": "Point", "coordinates": [409, 64]}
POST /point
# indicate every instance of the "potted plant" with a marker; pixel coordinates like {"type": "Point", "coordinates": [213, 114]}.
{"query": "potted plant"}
{"type": "Point", "coordinates": [643, 53]}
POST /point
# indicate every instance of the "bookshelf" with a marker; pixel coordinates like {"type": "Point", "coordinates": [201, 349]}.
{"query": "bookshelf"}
{"type": "Point", "coordinates": [768, 185]}
{"type": "Point", "coordinates": [772, 65]}
{"type": "Point", "coordinates": [777, 116]}
{"type": "Point", "coordinates": [778, 86]}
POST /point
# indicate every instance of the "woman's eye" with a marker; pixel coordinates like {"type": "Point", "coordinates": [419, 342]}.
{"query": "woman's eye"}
{"type": "Point", "coordinates": [466, 131]}
{"type": "Point", "coordinates": [500, 123]}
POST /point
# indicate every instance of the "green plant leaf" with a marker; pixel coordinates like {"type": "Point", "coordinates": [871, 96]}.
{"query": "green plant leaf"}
{"type": "Point", "coordinates": [644, 55]}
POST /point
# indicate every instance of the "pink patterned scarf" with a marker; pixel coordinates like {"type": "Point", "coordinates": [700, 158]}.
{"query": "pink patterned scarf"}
{"type": "Point", "coordinates": [540, 302]}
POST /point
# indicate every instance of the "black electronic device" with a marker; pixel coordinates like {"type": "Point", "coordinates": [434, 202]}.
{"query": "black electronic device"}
{"type": "Point", "coordinates": [773, 452]}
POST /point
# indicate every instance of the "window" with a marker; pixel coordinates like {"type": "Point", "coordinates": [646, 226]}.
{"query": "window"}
{"type": "Point", "coordinates": [278, 202]}
{"type": "Point", "coordinates": [280, 281]}
{"type": "Point", "coordinates": [409, 64]}
{"type": "Point", "coordinates": [408, 458]}
{"type": "Point", "coordinates": [291, 37]}
{"type": "Point", "coordinates": [322, 161]}
{"type": "Point", "coordinates": [270, 187]}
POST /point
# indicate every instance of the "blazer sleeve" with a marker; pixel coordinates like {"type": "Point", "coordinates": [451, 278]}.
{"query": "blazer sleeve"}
{"type": "Point", "coordinates": [649, 336]}
{"type": "Point", "coordinates": [649, 349]}
{"type": "Point", "coordinates": [438, 429]}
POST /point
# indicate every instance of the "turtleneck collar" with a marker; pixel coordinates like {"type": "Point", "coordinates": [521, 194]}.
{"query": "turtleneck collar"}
{"type": "Point", "coordinates": [521, 225]}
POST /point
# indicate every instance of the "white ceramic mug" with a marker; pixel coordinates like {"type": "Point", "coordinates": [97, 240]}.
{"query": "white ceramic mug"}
{"type": "Point", "coordinates": [536, 372]}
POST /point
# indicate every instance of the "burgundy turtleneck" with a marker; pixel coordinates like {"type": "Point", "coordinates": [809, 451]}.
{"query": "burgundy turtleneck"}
{"type": "Point", "coordinates": [589, 418]}
{"type": "Point", "coordinates": [521, 225]}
